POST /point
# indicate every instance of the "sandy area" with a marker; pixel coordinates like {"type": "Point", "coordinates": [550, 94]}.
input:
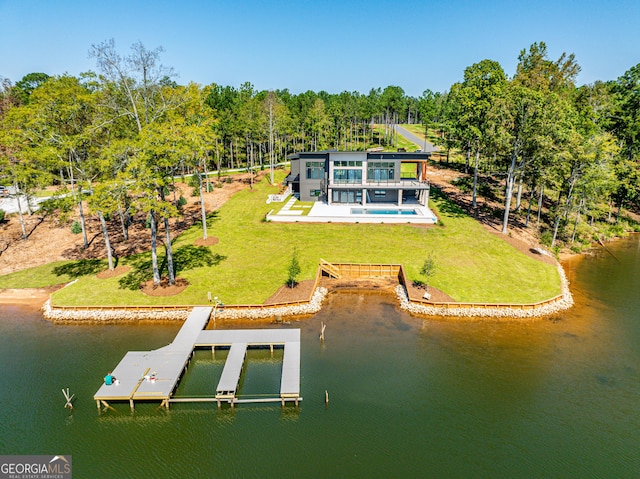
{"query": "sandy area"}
{"type": "Point", "coordinates": [35, 297]}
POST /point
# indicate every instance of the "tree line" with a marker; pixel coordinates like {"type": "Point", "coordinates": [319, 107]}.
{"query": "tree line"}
{"type": "Point", "coordinates": [573, 148]}
{"type": "Point", "coordinates": [116, 138]}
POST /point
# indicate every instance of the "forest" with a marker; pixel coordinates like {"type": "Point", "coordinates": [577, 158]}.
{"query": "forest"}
{"type": "Point", "coordinates": [113, 140]}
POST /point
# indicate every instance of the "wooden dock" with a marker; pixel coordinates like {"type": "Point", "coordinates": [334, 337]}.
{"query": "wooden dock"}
{"type": "Point", "coordinates": [239, 340]}
{"type": "Point", "coordinates": [154, 375]}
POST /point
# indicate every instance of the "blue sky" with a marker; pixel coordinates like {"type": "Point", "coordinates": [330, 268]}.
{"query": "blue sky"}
{"type": "Point", "coordinates": [321, 45]}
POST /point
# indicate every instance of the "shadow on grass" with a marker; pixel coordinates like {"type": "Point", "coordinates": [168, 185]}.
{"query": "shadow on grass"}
{"type": "Point", "coordinates": [79, 268]}
{"type": "Point", "coordinates": [184, 258]}
{"type": "Point", "coordinates": [446, 206]}
{"type": "Point", "coordinates": [212, 217]}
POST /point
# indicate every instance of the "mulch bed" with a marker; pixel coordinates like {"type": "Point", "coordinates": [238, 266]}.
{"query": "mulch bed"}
{"type": "Point", "coordinates": [304, 289]}
{"type": "Point", "coordinates": [437, 296]}
{"type": "Point", "coordinates": [111, 273]}
{"type": "Point", "coordinates": [210, 241]}
{"type": "Point", "coordinates": [164, 289]}
{"type": "Point", "coordinates": [301, 292]}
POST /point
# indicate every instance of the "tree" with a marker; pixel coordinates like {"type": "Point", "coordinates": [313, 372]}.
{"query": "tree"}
{"type": "Point", "coordinates": [197, 125]}
{"type": "Point", "coordinates": [429, 105]}
{"type": "Point", "coordinates": [103, 201]}
{"type": "Point", "coordinates": [138, 88]}
{"type": "Point", "coordinates": [483, 84]}
{"type": "Point", "coordinates": [28, 83]}
{"type": "Point", "coordinates": [294, 269]}
{"type": "Point", "coordinates": [625, 124]}
{"type": "Point", "coordinates": [23, 159]}
{"type": "Point", "coordinates": [63, 112]}
{"type": "Point", "coordinates": [428, 269]}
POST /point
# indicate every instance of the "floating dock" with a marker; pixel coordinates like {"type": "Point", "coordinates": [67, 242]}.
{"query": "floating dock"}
{"type": "Point", "coordinates": [154, 375]}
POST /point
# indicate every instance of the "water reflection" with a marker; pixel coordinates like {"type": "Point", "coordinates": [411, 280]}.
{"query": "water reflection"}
{"type": "Point", "coordinates": [415, 397]}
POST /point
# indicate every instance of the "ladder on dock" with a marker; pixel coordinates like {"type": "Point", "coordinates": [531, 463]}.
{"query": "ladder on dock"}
{"type": "Point", "coordinates": [332, 270]}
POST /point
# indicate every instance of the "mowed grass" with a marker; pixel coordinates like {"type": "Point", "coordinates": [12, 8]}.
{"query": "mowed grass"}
{"type": "Point", "coordinates": [38, 277]}
{"type": "Point", "coordinates": [472, 264]}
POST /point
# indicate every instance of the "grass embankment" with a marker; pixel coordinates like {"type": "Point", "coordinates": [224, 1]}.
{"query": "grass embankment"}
{"type": "Point", "coordinates": [38, 277]}
{"type": "Point", "coordinates": [472, 264]}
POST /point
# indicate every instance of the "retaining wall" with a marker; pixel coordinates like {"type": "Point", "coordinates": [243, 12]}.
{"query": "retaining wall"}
{"type": "Point", "coordinates": [314, 303]}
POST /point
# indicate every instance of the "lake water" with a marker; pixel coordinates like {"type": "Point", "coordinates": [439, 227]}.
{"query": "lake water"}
{"type": "Point", "coordinates": [408, 397]}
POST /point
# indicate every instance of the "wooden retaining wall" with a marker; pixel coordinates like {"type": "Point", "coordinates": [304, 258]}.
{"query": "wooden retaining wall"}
{"type": "Point", "coordinates": [174, 307]}
{"type": "Point", "coordinates": [454, 305]}
{"type": "Point", "coordinates": [346, 271]}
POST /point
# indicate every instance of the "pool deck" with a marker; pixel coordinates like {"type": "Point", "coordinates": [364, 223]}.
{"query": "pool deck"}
{"type": "Point", "coordinates": [341, 213]}
{"type": "Point", "coordinates": [154, 375]}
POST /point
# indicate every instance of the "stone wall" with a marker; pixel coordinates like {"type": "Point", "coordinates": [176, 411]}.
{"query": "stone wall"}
{"type": "Point", "coordinates": [62, 315]}
{"type": "Point", "coordinates": [313, 306]}
{"type": "Point", "coordinates": [499, 312]}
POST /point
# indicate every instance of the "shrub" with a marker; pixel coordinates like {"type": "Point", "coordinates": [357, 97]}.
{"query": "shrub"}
{"type": "Point", "coordinates": [182, 201]}
{"type": "Point", "coordinates": [2, 215]}
{"type": "Point", "coordinates": [193, 181]}
{"type": "Point", "coordinates": [76, 227]}
{"type": "Point", "coordinates": [545, 238]}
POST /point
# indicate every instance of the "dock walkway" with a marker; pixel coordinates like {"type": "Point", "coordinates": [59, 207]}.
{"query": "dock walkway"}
{"type": "Point", "coordinates": [239, 340]}
{"type": "Point", "coordinates": [154, 375]}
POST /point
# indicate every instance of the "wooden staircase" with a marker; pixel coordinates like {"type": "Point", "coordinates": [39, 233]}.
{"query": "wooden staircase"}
{"type": "Point", "coordinates": [331, 270]}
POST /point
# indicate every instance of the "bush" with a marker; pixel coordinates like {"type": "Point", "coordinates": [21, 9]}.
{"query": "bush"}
{"type": "Point", "coordinates": [193, 181]}
{"type": "Point", "coordinates": [182, 201]}
{"type": "Point", "coordinates": [576, 248]}
{"type": "Point", "coordinates": [76, 228]}
{"type": "Point", "coordinates": [2, 215]}
{"type": "Point", "coordinates": [545, 238]}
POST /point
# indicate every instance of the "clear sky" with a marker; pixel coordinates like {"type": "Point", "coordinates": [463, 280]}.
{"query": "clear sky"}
{"type": "Point", "coordinates": [327, 45]}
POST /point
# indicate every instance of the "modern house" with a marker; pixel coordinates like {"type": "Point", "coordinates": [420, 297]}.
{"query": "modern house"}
{"type": "Point", "coordinates": [360, 177]}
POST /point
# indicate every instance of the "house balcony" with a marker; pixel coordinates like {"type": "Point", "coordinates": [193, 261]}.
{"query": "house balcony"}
{"type": "Point", "coordinates": [402, 184]}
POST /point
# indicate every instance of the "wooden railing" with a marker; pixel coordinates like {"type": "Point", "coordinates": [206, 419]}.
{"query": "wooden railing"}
{"type": "Point", "coordinates": [331, 270]}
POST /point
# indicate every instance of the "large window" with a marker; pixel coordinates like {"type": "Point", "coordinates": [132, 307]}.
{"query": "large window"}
{"type": "Point", "coordinates": [315, 170]}
{"type": "Point", "coordinates": [347, 196]}
{"type": "Point", "coordinates": [344, 176]}
{"type": "Point", "coordinates": [347, 163]}
{"type": "Point", "coordinates": [381, 171]}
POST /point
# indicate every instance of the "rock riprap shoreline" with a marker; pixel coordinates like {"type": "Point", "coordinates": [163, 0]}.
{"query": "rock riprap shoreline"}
{"type": "Point", "coordinates": [563, 302]}
{"type": "Point", "coordinates": [123, 314]}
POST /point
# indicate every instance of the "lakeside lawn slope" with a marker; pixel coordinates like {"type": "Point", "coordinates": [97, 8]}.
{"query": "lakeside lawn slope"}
{"type": "Point", "coordinates": [473, 265]}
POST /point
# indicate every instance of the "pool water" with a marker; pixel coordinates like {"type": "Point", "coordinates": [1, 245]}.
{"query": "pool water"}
{"type": "Point", "coordinates": [368, 211]}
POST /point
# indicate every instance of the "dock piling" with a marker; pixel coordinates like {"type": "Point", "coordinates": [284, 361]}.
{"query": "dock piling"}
{"type": "Point", "coordinates": [69, 398]}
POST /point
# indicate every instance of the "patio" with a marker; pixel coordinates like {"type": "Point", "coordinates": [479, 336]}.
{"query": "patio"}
{"type": "Point", "coordinates": [320, 212]}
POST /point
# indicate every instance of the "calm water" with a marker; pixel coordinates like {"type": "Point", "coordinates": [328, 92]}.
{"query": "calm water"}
{"type": "Point", "coordinates": [408, 397]}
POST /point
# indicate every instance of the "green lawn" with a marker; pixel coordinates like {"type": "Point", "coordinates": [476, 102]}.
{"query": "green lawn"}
{"type": "Point", "coordinates": [472, 264]}
{"type": "Point", "coordinates": [38, 277]}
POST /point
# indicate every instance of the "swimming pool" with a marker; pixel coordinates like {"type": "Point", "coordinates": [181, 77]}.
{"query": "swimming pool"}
{"type": "Point", "coordinates": [379, 211]}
